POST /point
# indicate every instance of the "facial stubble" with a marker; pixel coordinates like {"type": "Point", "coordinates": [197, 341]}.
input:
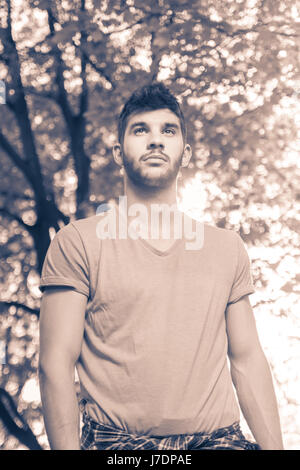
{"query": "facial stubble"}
{"type": "Point", "coordinates": [140, 177]}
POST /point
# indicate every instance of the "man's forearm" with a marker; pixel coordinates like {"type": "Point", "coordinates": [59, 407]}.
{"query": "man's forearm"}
{"type": "Point", "coordinates": [254, 385]}
{"type": "Point", "coordinates": [61, 411]}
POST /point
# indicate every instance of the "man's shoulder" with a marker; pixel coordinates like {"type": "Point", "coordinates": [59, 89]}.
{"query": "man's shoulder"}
{"type": "Point", "coordinates": [219, 233]}
{"type": "Point", "coordinates": [215, 239]}
{"type": "Point", "coordinates": [86, 224]}
{"type": "Point", "coordinates": [84, 229]}
{"type": "Point", "coordinates": [213, 231]}
{"type": "Point", "coordinates": [221, 243]}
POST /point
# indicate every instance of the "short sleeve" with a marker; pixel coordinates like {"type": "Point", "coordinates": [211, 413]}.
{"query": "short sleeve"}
{"type": "Point", "coordinates": [243, 283]}
{"type": "Point", "coordinates": [66, 262]}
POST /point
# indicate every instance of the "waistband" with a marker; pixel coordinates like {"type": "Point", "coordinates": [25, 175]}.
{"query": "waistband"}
{"type": "Point", "coordinates": [100, 436]}
{"type": "Point", "coordinates": [97, 426]}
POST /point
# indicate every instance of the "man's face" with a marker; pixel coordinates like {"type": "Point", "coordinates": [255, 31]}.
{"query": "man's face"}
{"type": "Point", "coordinates": [153, 148]}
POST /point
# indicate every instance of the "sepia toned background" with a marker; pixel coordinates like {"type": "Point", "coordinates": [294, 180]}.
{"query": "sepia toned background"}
{"type": "Point", "coordinates": [67, 67]}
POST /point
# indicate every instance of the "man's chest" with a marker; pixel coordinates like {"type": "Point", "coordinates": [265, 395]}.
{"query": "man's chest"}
{"type": "Point", "coordinates": [156, 272]}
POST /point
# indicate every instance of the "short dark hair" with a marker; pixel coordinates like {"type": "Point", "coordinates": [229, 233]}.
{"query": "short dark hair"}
{"type": "Point", "coordinates": [150, 98]}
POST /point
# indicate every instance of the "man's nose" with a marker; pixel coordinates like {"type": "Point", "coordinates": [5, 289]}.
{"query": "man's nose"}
{"type": "Point", "coordinates": [155, 141]}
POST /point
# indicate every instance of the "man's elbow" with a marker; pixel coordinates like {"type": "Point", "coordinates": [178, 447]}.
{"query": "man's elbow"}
{"type": "Point", "coordinates": [53, 368]}
{"type": "Point", "coordinates": [247, 363]}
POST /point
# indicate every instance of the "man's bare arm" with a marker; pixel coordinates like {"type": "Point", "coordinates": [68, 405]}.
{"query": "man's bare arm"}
{"type": "Point", "coordinates": [251, 376]}
{"type": "Point", "coordinates": [61, 332]}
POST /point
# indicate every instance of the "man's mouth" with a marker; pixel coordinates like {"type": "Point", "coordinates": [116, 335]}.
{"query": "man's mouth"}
{"type": "Point", "coordinates": [155, 157]}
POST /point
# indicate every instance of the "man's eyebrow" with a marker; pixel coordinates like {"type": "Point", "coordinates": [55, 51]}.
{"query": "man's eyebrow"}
{"type": "Point", "coordinates": [135, 124]}
{"type": "Point", "coordinates": [142, 123]}
{"type": "Point", "coordinates": [171, 124]}
{"type": "Point", "coordinates": [165, 124]}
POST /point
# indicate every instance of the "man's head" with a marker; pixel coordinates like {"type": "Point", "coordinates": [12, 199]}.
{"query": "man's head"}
{"type": "Point", "coordinates": [152, 137]}
{"type": "Point", "coordinates": [150, 98]}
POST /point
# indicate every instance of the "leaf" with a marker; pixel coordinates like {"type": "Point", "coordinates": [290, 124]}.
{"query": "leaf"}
{"type": "Point", "coordinates": [176, 4]}
{"type": "Point", "coordinates": [288, 287]}
{"type": "Point", "coordinates": [162, 39]}
{"type": "Point", "coordinates": [142, 4]}
{"type": "Point", "coordinates": [128, 17]}
{"type": "Point", "coordinates": [66, 33]}
{"type": "Point", "coordinates": [239, 98]}
{"type": "Point", "coordinates": [238, 47]}
{"type": "Point", "coordinates": [140, 34]}
{"type": "Point", "coordinates": [44, 4]}
{"type": "Point", "coordinates": [97, 35]}
{"type": "Point", "coordinates": [153, 24]}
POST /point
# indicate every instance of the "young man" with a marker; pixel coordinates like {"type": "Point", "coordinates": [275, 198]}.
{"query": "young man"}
{"type": "Point", "coordinates": [148, 319]}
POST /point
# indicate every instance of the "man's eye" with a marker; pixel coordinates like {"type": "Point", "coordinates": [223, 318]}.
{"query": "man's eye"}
{"type": "Point", "coordinates": [169, 131]}
{"type": "Point", "coordinates": [139, 130]}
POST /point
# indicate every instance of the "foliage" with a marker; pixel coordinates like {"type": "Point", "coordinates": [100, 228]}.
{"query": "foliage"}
{"type": "Point", "coordinates": [69, 66]}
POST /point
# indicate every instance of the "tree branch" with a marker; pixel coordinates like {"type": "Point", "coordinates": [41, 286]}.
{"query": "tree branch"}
{"type": "Point", "coordinates": [41, 94]}
{"type": "Point", "coordinates": [101, 70]}
{"type": "Point", "coordinates": [62, 95]}
{"type": "Point", "coordinates": [30, 165]}
{"type": "Point", "coordinates": [33, 311]}
{"type": "Point", "coordinates": [6, 212]}
{"type": "Point", "coordinates": [155, 57]}
{"type": "Point", "coordinates": [15, 423]}
{"type": "Point", "coordinates": [126, 28]}
{"type": "Point", "coordinates": [13, 195]}
{"type": "Point", "coordinates": [83, 101]}
{"type": "Point", "coordinates": [225, 28]}
{"type": "Point", "coordinates": [15, 157]}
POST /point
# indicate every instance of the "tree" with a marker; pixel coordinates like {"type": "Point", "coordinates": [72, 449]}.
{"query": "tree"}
{"type": "Point", "coordinates": [69, 66]}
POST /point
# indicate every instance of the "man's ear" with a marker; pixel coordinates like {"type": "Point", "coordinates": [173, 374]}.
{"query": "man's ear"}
{"type": "Point", "coordinates": [187, 155]}
{"type": "Point", "coordinates": [117, 154]}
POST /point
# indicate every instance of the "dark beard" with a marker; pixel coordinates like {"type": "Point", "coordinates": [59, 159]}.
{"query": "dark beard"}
{"type": "Point", "coordinates": [141, 180]}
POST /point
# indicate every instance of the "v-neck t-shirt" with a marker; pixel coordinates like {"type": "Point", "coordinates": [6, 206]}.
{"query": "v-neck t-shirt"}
{"type": "Point", "coordinates": [154, 352]}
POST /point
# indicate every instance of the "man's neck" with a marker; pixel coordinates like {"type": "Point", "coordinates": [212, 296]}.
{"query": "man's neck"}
{"type": "Point", "coordinates": [150, 199]}
{"type": "Point", "coordinates": [150, 196]}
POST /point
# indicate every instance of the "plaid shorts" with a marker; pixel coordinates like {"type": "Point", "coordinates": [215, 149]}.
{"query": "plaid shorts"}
{"type": "Point", "coordinates": [96, 436]}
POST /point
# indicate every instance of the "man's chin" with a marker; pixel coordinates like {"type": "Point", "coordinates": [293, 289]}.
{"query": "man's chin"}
{"type": "Point", "coordinates": [154, 182]}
